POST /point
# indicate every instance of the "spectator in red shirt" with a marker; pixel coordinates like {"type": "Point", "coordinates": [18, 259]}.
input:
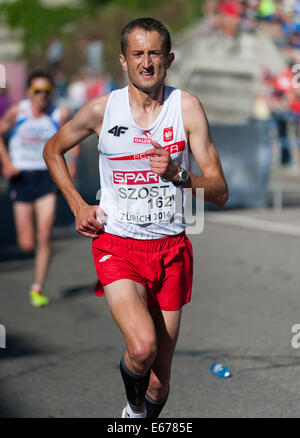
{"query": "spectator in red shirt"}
{"type": "Point", "coordinates": [230, 17]}
{"type": "Point", "coordinates": [230, 7]}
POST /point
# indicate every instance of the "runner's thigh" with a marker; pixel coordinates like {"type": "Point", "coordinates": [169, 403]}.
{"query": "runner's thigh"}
{"type": "Point", "coordinates": [23, 216]}
{"type": "Point", "coordinates": [128, 304]}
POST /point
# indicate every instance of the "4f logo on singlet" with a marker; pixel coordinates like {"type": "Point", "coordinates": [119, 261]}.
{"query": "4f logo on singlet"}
{"type": "Point", "coordinates": [118, 130]}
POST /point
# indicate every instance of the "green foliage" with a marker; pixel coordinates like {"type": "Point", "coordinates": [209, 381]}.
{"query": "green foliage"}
{"type": "Point", "coordinates": [102, 19]}
{"type": "Point", "coordinates": [125, 4]}
{"type": "Point", "coordinates": [37, 22]}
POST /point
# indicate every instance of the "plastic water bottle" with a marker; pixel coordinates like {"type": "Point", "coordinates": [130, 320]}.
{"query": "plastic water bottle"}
{"type": "Point", "coordinates": [220, 370]}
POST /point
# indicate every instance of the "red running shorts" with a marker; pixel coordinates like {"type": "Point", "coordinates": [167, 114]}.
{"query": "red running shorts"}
{"type": "Point", "coordinates": [164, 266]}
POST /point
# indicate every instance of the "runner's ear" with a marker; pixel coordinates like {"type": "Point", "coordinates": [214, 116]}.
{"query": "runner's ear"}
{"type": "Point", "coordinates": [123, 62]}
{"type": "Point", "coordinates": [170, 59]}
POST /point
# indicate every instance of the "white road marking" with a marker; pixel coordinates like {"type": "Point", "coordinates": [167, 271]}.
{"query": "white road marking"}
{"type": "Point", "coordinates": [253, 223]}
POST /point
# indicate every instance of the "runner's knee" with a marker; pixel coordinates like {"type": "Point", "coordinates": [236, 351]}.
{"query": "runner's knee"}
{"type": "Point", "coordinates": [43, 237]}
{"type": "Point", "coordinates": [142, 354]}
{"type": "Point", "coordinates": [26, 245]}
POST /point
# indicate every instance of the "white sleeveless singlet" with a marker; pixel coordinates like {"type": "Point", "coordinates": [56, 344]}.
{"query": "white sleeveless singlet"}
{"type": "Point", "coordinates": [137, 203]}
{"type": "Point", "coordinates": [29, 135]}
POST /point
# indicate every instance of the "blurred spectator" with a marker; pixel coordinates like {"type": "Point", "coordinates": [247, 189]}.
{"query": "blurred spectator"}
{"type": "Point", "coordinates": [76, 92]}
{"type": "Point", "coordinates": [94, 56]}
{"type": "Point", "coordinates": [266, 10]}
{"type": "Point", "coordinates": [277, 103]}
{"type": "Point", "coordinates": [110, 84]}
{"type": "Point", "coordinates": [230, 12]}
{"type": "Point", "coordinates": [288, 6]}
{"type": "Point", "coordinates": [295, 108]}
{"type": "Point", "coordinates": [84, 87]}
{"type": "Point", "coordinates": [249, 14]}
{"type": "Point", "coordinates": [295, 40]}
{"type": "Point", "coordinates": [282, 82]}
{"type": "Point", "coordinates": [54, 52]}
{"type": "Point", "coordinates": [230, 8]}
{"type": "Point", "coordinates": [280, 107]}
{"type": "Point", "coordinates": [295, 102]}
{"type": "Point", "coordinates": [61, 85]}
{"type": "Point", "coordinates": [99, 85]}
{"type": "Point", "coordinates": [289, 25]}
{"type": "Point", "coordinates": [95, 86]}
{"type": "Point", "coordinates": [297, 9]}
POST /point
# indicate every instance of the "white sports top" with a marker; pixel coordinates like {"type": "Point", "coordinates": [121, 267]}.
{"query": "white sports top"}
{"type": "Point", "coordinates": [29, 135]}
{"type": "Point", "coordinates": [137, 203]}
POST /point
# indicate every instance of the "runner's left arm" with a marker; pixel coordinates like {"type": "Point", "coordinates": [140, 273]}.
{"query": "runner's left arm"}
{"type": "Point", "coordinates": [204, 152]}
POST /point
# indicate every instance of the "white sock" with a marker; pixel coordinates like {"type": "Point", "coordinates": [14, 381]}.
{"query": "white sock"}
{"type": "Point", "coordinates": [131, 414]}
{"type": "Point", "coordinates": [36, 287]}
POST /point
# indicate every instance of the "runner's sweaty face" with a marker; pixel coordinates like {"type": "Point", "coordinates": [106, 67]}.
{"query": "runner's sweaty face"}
{"type": "Point", "coordinates": [40, 91]}
{"type": "Point", "coordinates": [145, 60]}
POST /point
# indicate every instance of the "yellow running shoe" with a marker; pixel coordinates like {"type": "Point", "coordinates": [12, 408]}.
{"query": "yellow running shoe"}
{"type": "Point", "coordinates": [38, 299]}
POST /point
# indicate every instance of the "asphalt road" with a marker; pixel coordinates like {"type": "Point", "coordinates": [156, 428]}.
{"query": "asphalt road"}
{"type": "Point", "coordinates": [62, 361]}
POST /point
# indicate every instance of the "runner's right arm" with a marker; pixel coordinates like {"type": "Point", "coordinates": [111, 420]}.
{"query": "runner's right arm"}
{"type": "Point", "coordinates": [86, 122]}
{"type": "Point", "coordinates": [6, 124]}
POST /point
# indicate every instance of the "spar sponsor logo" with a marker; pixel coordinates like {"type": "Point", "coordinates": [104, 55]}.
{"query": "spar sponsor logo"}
{"type": "Point", "coordinates": [173, 148]}
{"type": "Point", "coordinates": [168, 134]}
{"type": "Point", "coordinates": [135, 177]}
{"type": "Point", "coordinates": [144, 140]}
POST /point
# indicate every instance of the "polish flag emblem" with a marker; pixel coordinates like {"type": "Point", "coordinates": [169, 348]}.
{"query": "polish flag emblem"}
{"type": "Point", "coordinates": [168, 134]}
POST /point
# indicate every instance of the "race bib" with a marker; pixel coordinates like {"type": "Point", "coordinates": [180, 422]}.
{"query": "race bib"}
{"type": "Point", "coordinates": [146, 204]}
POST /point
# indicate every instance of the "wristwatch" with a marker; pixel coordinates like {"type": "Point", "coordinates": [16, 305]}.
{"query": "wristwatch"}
{"type": "Point", "coordinates": [183, 177]}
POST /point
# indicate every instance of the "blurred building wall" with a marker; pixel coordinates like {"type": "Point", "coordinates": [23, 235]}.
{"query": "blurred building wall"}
{"type": "Point", "coordinates": [223, 72]}
{"type": "Point", "coordinates": [246, 163]}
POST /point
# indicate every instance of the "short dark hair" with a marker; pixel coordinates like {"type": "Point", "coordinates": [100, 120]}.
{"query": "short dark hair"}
{"type": "Point", "coordinates": [39, 73]}
{"type": "Point", "coordinates": [148, 24]}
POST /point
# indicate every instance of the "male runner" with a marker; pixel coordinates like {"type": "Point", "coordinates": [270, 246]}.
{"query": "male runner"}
{"type": "Point", "coordinates": [142, 255]}
{"type": "Point", "coordinates": [31, 123]}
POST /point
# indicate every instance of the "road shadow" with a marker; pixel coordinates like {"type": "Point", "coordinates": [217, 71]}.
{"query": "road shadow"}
{"type": "Point", "coordinates": [12, 252]}
{"type": "Point", "coordinates": [260, 362]}
{"type": "Point", "coordinates": [77, 291]}
{"type": "Point", "coordinates": [19, 346]}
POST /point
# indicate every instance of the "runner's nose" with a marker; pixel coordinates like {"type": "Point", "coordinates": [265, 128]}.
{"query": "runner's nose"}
{"type": "Point", "coordinates": [146, 61]}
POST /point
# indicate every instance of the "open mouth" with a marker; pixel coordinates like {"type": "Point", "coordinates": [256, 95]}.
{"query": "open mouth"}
{"type": "Point", "coordinates": [147, 74]}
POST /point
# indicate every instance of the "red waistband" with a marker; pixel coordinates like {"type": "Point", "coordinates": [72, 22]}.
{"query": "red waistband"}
{"type": "Point", "coordinates": [148, 245]}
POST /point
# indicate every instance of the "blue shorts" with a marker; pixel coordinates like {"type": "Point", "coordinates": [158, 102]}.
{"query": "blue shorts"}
{"type": "Point", "coordinates": [30, 185]}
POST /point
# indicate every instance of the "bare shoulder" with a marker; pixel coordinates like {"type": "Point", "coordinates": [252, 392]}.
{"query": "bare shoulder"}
{"type": "Point", "coordinates": [192, 110]}
{"type": "Point", "coordinates": [96, 106]}
{"type": "Point", "coordinates": [190, 102]}
{"type": "Point", "coordinates": [91, 113]}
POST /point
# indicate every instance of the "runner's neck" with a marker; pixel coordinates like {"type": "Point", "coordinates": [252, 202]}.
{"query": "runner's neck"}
{"type": "Point", "coordinates": [145, 107]}
{"type": "Point", "coordinates": [146, 102]}
{"type": "Point", "coordinates": [38, 112]}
